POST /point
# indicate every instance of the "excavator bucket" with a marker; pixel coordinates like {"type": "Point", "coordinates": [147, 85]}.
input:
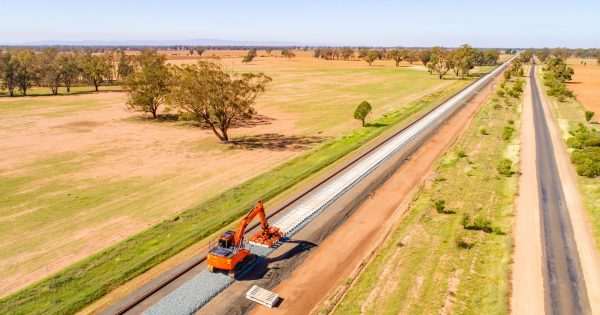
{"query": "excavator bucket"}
{"type": "Point", "coordinates": [266, 238]}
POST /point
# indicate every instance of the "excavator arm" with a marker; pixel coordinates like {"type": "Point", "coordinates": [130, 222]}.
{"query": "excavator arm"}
{"type": "Point", "coordinates": [241, 229]}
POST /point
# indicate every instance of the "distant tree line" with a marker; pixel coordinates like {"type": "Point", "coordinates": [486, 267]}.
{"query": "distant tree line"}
{"type": "Point", "coordinates": [20, 69]}
{"type": "Point", "coordinates": [437, 59]}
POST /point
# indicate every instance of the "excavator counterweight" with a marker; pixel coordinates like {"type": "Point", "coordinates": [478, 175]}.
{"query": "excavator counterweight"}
{"type": "Point", "coordinates": [229, 252]}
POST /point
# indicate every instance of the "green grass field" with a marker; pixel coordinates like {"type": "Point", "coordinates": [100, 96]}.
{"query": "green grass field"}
{"type": "Point", "coordinates": [569, 114]}
{"type": "Point", "coordinates": [431, 264]}
{"type": "Point", "coordinates": [73, 288]}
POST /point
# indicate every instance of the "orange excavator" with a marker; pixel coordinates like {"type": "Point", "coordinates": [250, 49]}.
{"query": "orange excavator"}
{"type": "Point", "coordinates": [230, 253]}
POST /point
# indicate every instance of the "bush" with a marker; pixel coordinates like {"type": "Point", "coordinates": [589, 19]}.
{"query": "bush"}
{"type": "Point", "coordinates": [507, 132]}
{"type": "Point", "coordinates": [497, 106]}
{"type": "Point", "coordinates": [504, 167]}
{"type": "Point", "coordinates": [483, 131]}
{"type": "Point", "coordinates": [460, 153]}
{"type": "Point", "coordinates": [583, 137]}
{"type": "Point", "coordinates": [511, 122]}
{"type": "Point", "coordinates": [500, 92]}
{"type": "Point", "coordinates": [439, 205]}
{"type": "Point", "coordinates": [589, 115]}
{"type": "Point", "coordinates": [465, 220]}
{"type": "Point", "coordinates": [461, 242]}
{"type": "Point", "coordinates": [482, 224]}
{"type": "Point", "coordinates": [587, 161]}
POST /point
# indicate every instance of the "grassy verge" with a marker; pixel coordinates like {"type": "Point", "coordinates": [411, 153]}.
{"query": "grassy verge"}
{"type": "Point", "coordinates": [451, 252]}
{"type": "Point", "coordinates": [73, 288]}
{"type": "Point", "coordinates": [569, 114]}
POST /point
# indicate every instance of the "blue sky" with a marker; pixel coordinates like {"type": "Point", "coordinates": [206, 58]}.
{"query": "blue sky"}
{"type": "Point", "coordinates": [481, 23]}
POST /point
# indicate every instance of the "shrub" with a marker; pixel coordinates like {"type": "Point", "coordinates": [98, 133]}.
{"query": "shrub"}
{"type": "Point", "coordinates": [439, 205]}
{"type": "Point", "coordinates": [483, 131]}
{"type": "Point", "coordinates": [587, 161]}
{"type": "Point", "coordinates": [504, 167]}
{"type": "Point", "coordinates": [511, 122]}
{"type": "Point", "coordinates": [583, 137]}
{"type": "Point", "coordinates": [482, 224]}
{"type": "Point", "coordinates": [518, 87]}
{"type": "Point", "coordinates": [589, 115]}
{"type": "Point", "coordinates": [500, 92]}
{"type": "Point", "coordinates": [507, 132]}
{"type": "Point", "coordinates": [497, 106]}
{"type": "Point", "coordinates": [460, 153]}
{"type": "Point", "coordinates": [461, 242]}
{"type": "Point", "coordinates": [465, 220]}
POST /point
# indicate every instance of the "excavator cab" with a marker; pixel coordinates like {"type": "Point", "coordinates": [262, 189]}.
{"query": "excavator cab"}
{"type": "Point", "coordinates": [226, 239]}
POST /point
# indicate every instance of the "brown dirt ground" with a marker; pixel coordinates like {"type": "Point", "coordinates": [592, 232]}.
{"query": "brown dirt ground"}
{"type": "Point", "coordinates": [586, 84]}
{"type": "Point", "coordinates": [527, 295]}
{"type": "Point", "coordinates": [346, 250]}
{"type": "Point", "coordinates": [582, 229]}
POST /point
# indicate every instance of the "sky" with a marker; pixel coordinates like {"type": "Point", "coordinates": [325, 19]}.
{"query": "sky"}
{"type": "Point", "coordinates": [448, 23]}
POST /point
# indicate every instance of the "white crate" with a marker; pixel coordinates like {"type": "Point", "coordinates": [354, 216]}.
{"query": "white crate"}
{"type": "Point", "coordinates": [262, 296]}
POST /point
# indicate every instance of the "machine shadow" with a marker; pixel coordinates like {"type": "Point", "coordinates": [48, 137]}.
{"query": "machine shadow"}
{"type": "Point", "coordinates": [262, 266]}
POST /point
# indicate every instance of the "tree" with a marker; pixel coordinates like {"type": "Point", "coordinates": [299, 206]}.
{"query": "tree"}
{"type": "Point", "coordinates": [463, 59]}
{"type": "Point", "coordinates": [125, 66]}
{"type": "Point", "coordinates": [589, 115]}
{"type": "Point", "coordinates": [347, 53]}
{"type": "Point", "coordinates": [439, 61]}
{"type": "Point", "coordinates": [269, 51]}
{"type": "Point", "coordinates": [8, 71]}
{"type": "Point", "coordinates": [411, 56]}
{"type": "Point", "coordinates": [148, 87]}
{"type": "Point", "coordinates": [215, 97]}
{"type": "Point", "coordinates": [425, 56]}
{"type": "Point", "coordinates": [95, 68]}
{"type": "Point", "coordinates": [200, 50]}
{"type": "Point", "coordinates": [69, 69]}
{"type": "Point", "coordinates": [248, 58]}
{"type": "Point", "coordinates": [25, 69]}
{"type": "Point", "coordinates": [371, 56]}
{"type": "Point", "coordinates": [397, 55]}
{"type": "Point", "coordinates": [362, 111]}
{"type": "Point", "coordinates": [50, 69]}
{"type": "Point", "coordinates": [288, 54]}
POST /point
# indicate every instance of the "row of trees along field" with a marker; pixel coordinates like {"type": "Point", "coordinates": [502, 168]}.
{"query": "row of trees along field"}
{"type": "Point", "coordinates": [437, 59]}
{"type": "Point", "coordinates": [21, 69]}
{"type": "Point", "coordinates": [203, 92]}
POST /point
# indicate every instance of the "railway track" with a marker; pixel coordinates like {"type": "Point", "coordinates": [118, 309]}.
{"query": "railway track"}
{"type": "Point", "coordinates": [297, 211]}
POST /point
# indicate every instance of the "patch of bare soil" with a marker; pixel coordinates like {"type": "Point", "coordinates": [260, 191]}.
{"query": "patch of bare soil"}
{"type": "Point", "coordinates": [346, 250]}
{"type": "Point", "coordinates": [527, 295]}
{"type": "Point", "coordinates": [586, 84]}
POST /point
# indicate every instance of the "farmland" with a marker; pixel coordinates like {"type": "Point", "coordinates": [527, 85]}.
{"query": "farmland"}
{"type": "Point", "coordinates": [586, 83]}
{"type": "Point", "coordinates": [80, 173]}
